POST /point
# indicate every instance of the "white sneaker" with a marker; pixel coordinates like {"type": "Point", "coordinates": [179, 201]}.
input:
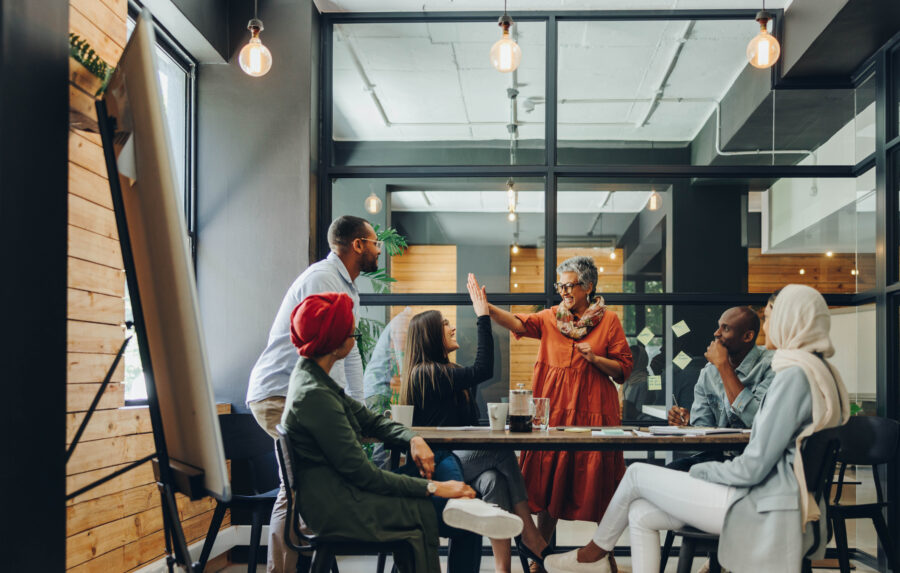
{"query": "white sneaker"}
{"type": "Point", "coordinates": [568, 563]}
{"type": "Point", "coordinates": [482, 518]}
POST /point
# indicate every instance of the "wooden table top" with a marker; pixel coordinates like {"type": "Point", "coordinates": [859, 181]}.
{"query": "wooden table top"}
{"type": "Point", "coordinates": [555, 439]}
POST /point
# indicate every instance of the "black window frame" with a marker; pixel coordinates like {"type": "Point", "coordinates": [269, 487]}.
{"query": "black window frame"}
{"type": "Point", "coordinates": [189, 65]}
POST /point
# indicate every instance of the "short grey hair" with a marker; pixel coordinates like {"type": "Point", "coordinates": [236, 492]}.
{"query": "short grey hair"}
{"type": "Point", "coordinates": [584, 267]}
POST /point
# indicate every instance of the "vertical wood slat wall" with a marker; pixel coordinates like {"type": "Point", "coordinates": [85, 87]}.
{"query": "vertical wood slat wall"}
{"type": "Point", "coordinates": [118, 526]}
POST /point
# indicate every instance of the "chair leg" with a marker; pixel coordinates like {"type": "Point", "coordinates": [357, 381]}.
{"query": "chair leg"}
{"type": "Point", "coordinates": [382, 562]}
{"type": "Point", "coordinates": [255, 535]}
{"type": "Point", "coordinates": [211, 534]}
{"type": "Point", "coordinates": [807, 566]}
{"type": "Point", "coordinates": [840, 541]}
{"type": "Point", "coordinates": [686, 555]}
{"type": "Point", "coordinates": [322, 560]}
{"type": "Point", "coordinates": [304, 563]}
{"type": "Point", "coordinates": [667, 548]}
{"type": "Point", "coordinates": [334, 567]}
{"type": "Point", "coordinates": [885, 537]}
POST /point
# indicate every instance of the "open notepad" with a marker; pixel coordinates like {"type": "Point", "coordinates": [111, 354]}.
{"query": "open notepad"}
{"type": "Point", "coordinates": [692, 431]}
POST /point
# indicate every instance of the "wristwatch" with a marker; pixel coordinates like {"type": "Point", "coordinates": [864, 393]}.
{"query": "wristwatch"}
{"type": "Point", "coordinates": [432, 487]}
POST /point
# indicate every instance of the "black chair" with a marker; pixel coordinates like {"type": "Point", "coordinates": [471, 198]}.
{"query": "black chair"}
{"type": "Point", "coordinates": [819, 454]}
{"type": "Point", "coordinates": [323, 549]}
{"type": "Point", "coordinates": [866, 441]}
{"type": "Point", "coordinates": [254, 476]}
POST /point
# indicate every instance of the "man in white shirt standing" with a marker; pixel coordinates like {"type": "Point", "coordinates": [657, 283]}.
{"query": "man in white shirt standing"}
{"type": "Point", "coordinates": [354, 250]}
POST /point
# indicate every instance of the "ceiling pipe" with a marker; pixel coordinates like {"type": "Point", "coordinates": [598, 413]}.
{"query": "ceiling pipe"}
{"type": "Point", "coordinates": [673, 61]}
{"type": "Point", "coordinates": [368, 86]}
{"type": "Point", "coordinates": [718, 109]}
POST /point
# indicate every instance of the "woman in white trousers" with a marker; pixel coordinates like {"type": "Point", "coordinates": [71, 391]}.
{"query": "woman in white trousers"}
{"type": "Point", "coordinates": [758, 502]}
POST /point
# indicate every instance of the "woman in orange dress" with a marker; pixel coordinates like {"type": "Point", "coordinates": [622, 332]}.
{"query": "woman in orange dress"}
{"type": "Point", "coordinates": [583, 348]}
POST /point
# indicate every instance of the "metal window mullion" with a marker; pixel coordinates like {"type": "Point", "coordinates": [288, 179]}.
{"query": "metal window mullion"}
{"type": "Point", "coordinates": [324, 187]}
{"type": "Point", "coordinates": [550, 144]}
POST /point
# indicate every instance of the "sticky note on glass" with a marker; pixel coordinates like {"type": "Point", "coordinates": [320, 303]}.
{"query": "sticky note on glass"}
{"type": "Point", "coordinates": [646, 336]}
{"type": "Point", "coordinates": [680, 329]}
{"type": "Point", "coordinates": [682, 360]}
{"type": "Point", "coordinates": [654, 382]}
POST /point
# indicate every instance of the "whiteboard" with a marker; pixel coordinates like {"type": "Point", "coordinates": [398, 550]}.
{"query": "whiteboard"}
{"type": "Point", "coordinates": [162, 262]}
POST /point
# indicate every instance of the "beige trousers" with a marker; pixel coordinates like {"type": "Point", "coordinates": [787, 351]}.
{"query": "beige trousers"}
{"type": "Point", "coordinates": [281, 559]}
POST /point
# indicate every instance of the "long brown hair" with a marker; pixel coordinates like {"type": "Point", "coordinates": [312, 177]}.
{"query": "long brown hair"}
{"type": "Point", "coordinates": [426, 356]}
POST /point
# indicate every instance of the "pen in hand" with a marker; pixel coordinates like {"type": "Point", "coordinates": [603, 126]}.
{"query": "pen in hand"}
{"type": "Point", "coordinates": [680, 415]}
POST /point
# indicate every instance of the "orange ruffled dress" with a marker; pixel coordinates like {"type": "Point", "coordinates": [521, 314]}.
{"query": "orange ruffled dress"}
{"type": "Point", "coordinates": [575, 485]}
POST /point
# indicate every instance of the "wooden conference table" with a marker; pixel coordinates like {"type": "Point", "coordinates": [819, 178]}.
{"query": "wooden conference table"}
{"type": "Point", "coordinates": [560, 440]}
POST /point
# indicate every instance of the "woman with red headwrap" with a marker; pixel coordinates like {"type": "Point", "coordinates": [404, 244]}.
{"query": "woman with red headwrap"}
{"type": "Point", "coordinates": [345, 495]}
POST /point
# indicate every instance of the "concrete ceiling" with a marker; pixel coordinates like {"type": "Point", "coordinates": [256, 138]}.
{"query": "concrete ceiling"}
{"type": "Point", "coordinates": [434, 82]}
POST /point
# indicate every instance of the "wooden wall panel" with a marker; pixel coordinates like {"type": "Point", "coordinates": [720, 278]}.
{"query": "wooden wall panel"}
{"type": "Point", "coordinates": [835, 274]}
{"type": "Point", "coordinates": [85, 275]}
{"type": "Point", "coordinates": [89, 368]}
{"type": "Point", "coordinates": [117, 526]}
{"type": "Point", "coordinates": [95, 307]}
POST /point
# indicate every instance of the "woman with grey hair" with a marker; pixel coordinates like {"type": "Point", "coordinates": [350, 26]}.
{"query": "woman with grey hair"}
{"type": "Point", "coordinates": [583, 349]}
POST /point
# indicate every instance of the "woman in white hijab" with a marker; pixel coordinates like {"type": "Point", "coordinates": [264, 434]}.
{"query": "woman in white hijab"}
{"type": "Point", "coordinates": [758, 502]}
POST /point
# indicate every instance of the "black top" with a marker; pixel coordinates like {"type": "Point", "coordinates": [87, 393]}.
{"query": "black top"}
{"type": "Point", "coordinates": [450, 399]}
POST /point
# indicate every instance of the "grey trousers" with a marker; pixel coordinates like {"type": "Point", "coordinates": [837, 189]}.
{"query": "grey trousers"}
{"type": "Point", "coordinates": [495, 475]}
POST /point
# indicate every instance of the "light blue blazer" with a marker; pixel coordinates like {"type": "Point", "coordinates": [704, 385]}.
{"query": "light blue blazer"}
{"type": "Point", "coordinates": [762, 530]}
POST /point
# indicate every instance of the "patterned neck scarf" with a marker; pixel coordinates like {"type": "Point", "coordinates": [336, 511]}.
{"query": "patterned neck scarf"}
{"type": "Point", "coordinates": [577, 329]}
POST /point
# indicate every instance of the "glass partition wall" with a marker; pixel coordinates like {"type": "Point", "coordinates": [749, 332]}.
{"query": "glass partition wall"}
{"type": "Point", "coordinates": [645, 141]}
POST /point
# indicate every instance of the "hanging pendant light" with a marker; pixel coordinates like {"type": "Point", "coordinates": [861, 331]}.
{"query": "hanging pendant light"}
{"type": "Point", "coordinates": [512, 199]}
{"type": "Point", "coordinates": [505, 53]}
{"type": "Point", "coordinates": [373, 203]}
{"type": "Point", "coordinates": [763, 50]}
{"type": "Point", "coordinates": [255, 59]}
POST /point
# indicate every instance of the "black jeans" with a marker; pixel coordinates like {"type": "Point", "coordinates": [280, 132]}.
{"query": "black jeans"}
{"type": "Point", "coordinates": [464, 552]}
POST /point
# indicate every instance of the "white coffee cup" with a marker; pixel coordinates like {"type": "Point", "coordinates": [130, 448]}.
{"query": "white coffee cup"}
{"type": "Point", "coordinates": [400, 414]}
{"type": "Point", "coordinates": [497, 412]}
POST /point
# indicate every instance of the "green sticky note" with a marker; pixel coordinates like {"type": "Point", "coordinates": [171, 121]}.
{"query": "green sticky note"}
{"type": "Point", "coordinates": [646, 336]}
{"type": "Point", "coordinates": [682, 360]}
{"type": "Point", "coordinates": [680, 329]}
{"type": "Point", "coordinates": [612, 432]}
{"type": "Point", "coordinates": [654, 382]}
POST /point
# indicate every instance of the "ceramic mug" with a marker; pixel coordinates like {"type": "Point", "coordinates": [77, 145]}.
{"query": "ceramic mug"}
{"type": "Point", "coordinates": [400, 414]}
{"type": "Point", "coordinates": [497, 412]}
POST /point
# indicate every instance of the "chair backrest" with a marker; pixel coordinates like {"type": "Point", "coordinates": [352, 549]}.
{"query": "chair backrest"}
{"type": "Point", "coordinates": [252, 455]}
{"type": "Point", "coordinates": [819, 452]}
{"type": "Point", "coordinates": [869, 441]}
{"type": "Point", "coordinates": [287, 461]}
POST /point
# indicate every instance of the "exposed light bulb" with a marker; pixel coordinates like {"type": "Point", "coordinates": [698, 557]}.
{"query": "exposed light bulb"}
{"type": "Point", "coordinates": [829, 254]}
{"type": "Point", "coordinates": [515, 249]}
{"type": "Point", "coordinates": [511, 216]}
{"type": "Point", "coordinates": [255, 59]}
{"type": "Point", "coordinates": [802, 271]}
{"type": "Point", "coordinates": [505, 53]}
{"type": "Point", "coordinates": [854, 272]}
{"type": "Point", "coordinates": [612, 255]}
{"type": "Point", "coordinates": [515, 285]}
{"type": "Point", "coordinates": [512, 198]}
{"type": "Point", "coordinates": [763, 50]}
{"type": "Point", "coordinates": [600, 269]}
{"type": "Point", "coordinates": [654, 202]}
{"type": "Point", "coordinates": [514, 269]}
{"type": "Point", "coordinates": [373, 203]}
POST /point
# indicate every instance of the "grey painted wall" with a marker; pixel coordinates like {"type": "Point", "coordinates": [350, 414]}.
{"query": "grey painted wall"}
{"type": "Point", "coordinates": [253, 195]}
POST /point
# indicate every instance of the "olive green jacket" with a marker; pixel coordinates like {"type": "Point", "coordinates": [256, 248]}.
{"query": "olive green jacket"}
{"type": "Point", "coordinates": [340, 492]}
